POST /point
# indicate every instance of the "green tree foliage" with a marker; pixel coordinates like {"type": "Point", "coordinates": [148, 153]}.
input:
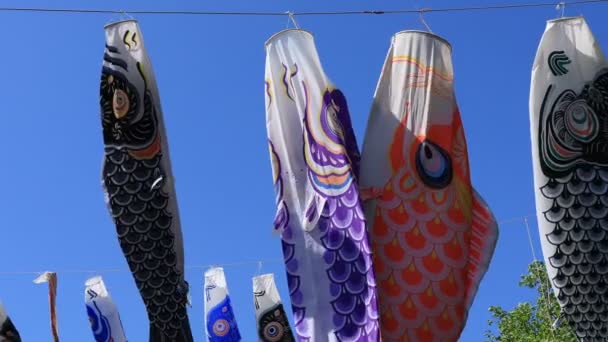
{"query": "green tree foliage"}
{"type": "Point", "coordinates": [530, 322]}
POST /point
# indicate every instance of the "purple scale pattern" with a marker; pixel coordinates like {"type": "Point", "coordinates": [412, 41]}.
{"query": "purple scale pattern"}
{"type": "Point", "coordinates": [342, 223]}
{"type": "Point", "coordinates": [281, 224]}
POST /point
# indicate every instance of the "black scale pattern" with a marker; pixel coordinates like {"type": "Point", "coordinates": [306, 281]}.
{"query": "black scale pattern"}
{"type": "Point", "coordinates": [578, 189]}
{"type": "Point", "coordinates": [580, 207]}
{"type": "Point", "coordinates": [143, 225]}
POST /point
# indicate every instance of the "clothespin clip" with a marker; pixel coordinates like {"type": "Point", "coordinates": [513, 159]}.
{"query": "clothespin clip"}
{"type": "Point", "coordinates": [44, 277]}
{"type": "Point", "coordinates": [120, 15]}
{"type": "Point", "coordinates": [562, 6]}
{"type": "Point", "coordinates": [125, 15]}
{"type": "Point", "coordinates": [291, 17]}
{"type": "Point", "coordinates": [421, 13]}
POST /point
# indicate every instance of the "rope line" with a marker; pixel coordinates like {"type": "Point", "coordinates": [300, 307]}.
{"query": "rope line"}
{"type": "Point", "coordinates": [361, 12]}
{"type": "Point", "coordinates": [234, 264]}
{"type": "Point", "coordinates": [123, 270]}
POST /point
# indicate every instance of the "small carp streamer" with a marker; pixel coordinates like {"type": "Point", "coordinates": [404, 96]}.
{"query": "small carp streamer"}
{"type": "Point", "coordinates": [8, 332]}
{"type": "Point", "coordinates": [138, 182]}
{"type": "Point", "coordinates": [51, 279]}
{"type": "Point", "coordinates": [432, 234]}
{"type": "Point", "coordinates": [315, 162]}
{"type": "Point", "coordinates": [569, 128]}
{"type": "Point", "coordinates": [270, 316]}
{"type": "Point", "coordinates": [221, 322]}
{"type": "Point", "coordinates": [102, 312]}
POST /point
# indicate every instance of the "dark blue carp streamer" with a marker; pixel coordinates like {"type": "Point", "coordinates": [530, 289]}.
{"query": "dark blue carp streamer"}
{"type": "Point", "coordinates": [138, 182]}
{"type": "Point", "coordinates": [220, 323]}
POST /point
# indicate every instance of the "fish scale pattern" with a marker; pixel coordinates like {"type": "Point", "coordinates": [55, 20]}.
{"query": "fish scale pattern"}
{"type": "Point", "coordinates": [573, 145]}
{"type": "Point", "coordinates": [343, 228]}
{"type": "Point", "coordinates": [143, 227]}
{"type": "Point", "coordinates": [579, 213]}
{"type": "Point", "coordinates": [282, 224]}
{"type": "Point", "coordinates": [341, 224]}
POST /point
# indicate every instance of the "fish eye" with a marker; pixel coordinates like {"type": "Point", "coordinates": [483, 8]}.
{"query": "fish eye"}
{"type": "Point", "coordinates": [220, 327]}
{"type": "Point", "coordinates": [433, 165]}
{"type": "Point", "coordinates": [581, 121]}
{"type": "Point", "coordinates": [273, 331]}
{"type": "Point", "coordinates": [120, 103]}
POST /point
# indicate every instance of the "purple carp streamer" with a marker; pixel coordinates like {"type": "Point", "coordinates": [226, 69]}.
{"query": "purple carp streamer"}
{"type": "Point", "coordinates": [138, 182]}
{"type": "Point", "coordinates": [319, 214]}
{"type": "Point", "coordinates": [569, 128]}
{"type": "Point", "coordinates": [8, 332]}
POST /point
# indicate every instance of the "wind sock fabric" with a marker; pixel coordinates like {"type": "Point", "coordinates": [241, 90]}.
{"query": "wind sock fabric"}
{"type": "Point", "coordinates": [432, 234]}
{"type": "Point", "coordinates": [8, 331]}
{"type": "Point", "coordinates": [219, 315]}
{"type": "Point", "coordinates": [138, 181]}
{"type": "Point", "coordinates": [51, 279]}
{"type": "Point", "coordinates": [271, 319]}
{"type": "Point", "coordinates": [102, 312]}
{"type": "Point", "coordinates": [569, 130]}
{"type": "Point", "coordinates": [315, 161]}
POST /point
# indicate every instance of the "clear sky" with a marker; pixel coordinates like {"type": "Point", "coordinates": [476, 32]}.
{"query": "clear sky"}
{"type": "Point", "coordinates": [210, 72]}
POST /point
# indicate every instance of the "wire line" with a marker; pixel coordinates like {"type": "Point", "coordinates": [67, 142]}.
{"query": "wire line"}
{"type": "Point", "coordinates": [364, 12]}
{"type": "Point", "coordinates": [234, 264]}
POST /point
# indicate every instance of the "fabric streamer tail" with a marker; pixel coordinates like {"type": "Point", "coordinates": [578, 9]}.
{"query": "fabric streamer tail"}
{"type": "Point", "coordinates": [51, 278]}
{"type": "Point", "coordinates": [183, 335]}
{"type": "Point", "coordinates": [482, 243]}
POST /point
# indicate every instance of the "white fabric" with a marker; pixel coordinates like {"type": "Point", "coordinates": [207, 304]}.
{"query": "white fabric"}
{"type": "Point", "coordinates": [265, 293]}
{"type": "Point", "coordinates": [103, 313]}
{"type": "Point", "coordinates": [284, 114]}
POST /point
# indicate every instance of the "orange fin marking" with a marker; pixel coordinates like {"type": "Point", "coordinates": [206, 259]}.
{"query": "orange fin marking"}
{"type": "Point", "coordinates": [484, 234]}
{"type": "Point", "coordinates": [148, 152]}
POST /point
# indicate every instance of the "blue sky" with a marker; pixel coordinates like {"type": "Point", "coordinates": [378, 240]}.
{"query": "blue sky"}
{"type": "Point", "coordinates": [210, 72]}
